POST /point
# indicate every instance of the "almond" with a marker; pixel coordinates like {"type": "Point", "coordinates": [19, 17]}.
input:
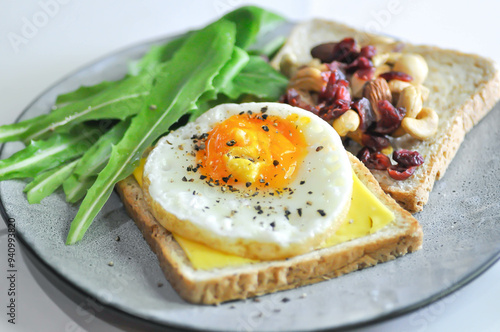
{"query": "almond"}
{"type": "Point", "coordinates": [376, 91]}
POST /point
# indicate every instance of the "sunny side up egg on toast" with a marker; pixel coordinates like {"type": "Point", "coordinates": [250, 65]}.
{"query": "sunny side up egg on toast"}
{"type": "Point", "coordinates": [233, 209]}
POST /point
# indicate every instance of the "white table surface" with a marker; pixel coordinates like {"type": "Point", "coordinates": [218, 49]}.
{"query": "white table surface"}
{"type": "Point", "coordinates": [71, 34]}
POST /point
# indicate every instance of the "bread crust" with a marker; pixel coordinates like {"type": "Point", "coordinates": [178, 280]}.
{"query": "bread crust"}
{"type": "Point", "coordinates": [462, 112]}
{"type": "Point", "coordinates": [219, 285]}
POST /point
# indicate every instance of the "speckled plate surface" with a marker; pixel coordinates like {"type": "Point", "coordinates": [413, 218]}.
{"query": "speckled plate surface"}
{"type": "Point", "coordinates": [461, 239]}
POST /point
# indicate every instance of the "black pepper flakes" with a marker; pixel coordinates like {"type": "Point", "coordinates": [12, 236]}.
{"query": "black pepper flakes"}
{"type": "Point", "coordinates": [287, 213]}
{"type": "Point", "coordinates": [273, 224]}
{"type": "Point", "coordinates": [265, 128]}
{"type": "Point", "coordinates": [319, 148]}
{"type": "Point", "coordinates": [285, 300]}
{"type": "Point", "coordinates": [276, 163]}
{"type": "Point", "coordinates": [322, 213]}
{"type": "Point", "coordinates": [184, 179]}
{"type": "Point", "coordinates": [203, 177]}
{"type": "Point", "coordinates": [231, 142]}
{"type": "Point", "coordinates": [248, 184]}
{"type": "Point", "coordinates": [299, 211]}
{"type": "Point", "coordinates": [264, 116]}
{"type": "Point", "coordinates": [302, 182]}
{"type": "Point", "coordinates": [263, 109]}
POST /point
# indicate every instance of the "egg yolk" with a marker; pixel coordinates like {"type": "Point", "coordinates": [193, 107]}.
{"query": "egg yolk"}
{"type": "Point", "coordinates": [253, 150]}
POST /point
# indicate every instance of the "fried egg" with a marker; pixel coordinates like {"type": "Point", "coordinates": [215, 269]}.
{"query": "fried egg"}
{"type": "Point", "coordinates": [258, 180]}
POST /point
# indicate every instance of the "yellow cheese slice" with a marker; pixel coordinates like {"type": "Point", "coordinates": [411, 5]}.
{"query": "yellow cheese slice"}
{"type": "Point", "coordinates": [366, 215]}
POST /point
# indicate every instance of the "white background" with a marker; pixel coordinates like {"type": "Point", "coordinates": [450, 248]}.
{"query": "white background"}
{"type": "Point", "coordinates": [78, 32]}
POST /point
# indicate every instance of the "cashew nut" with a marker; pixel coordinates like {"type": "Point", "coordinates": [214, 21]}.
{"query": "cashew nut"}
{"type": "Point", "coordinates": [411, 99]}
{"type": "Point", "coordinates": [422, 127]}
{"type": "Point", "coordinates": [307, 79]}
{"type": "Point", "coordinates": [424, 91]}
{"type": "Point", "coordinates": [387, 57]}
{"type": "Point", "coordinates": [396, 86]}
{"type": "Point", "coordinates": [356, 136]}
{"type": "Point", "coordinates": [347, 122]}
{"type": "Point", "coordinates": [413, 65]}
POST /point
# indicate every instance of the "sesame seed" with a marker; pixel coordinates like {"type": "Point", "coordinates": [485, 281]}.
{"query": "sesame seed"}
{"type": "Point", "coordinates": [319, 148]}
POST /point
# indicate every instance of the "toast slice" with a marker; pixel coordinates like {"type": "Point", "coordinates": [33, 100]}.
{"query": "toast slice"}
{"type": "Point", "coordinates": [401, 236]}
{"type": "Point", "coordinates": [463, 89]}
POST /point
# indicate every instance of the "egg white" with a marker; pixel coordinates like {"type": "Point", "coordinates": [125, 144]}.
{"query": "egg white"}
{"type": "Point", "coordinates": [232, 221]}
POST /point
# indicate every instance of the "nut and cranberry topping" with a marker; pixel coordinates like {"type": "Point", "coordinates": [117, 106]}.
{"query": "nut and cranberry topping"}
{"type": "Point", "coordinates": [368, 97]}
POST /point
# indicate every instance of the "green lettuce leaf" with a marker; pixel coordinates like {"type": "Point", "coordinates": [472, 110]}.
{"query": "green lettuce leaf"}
{"type": "Point", "coordinates": [180, 83]}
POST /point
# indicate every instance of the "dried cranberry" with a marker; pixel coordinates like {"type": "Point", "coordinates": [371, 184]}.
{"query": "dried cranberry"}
{"type": "Point", "coordinates": [366, 114]}
{"type": "Point", "coordinates": [390, 117]}
{"type": "Point", "coordinates": [396, 75]}
{"type": "Point", "coordinates": [339, 68]}
{"type": "Point", "coordinates": [364, 155]}
{"type": "Point", "coordinates": [407, 158]}
{"type": "Point", "coordinates": [375, 142]}
{"type": "Point", "coordinates": [379, 161]}
{"type": "Point", "coordinates": [346, 50]}
{"type": "Point", "coordinates": [401, 173]}
{"type": "Point", "coordinates": [324, 52]}
{"type": "Point", "coordinates": [374, 160]}
{"type": "Point", "coordinates": [365, 74]}
{"type": "Point", "coordinates": [292, 97]}
{"type": "Point", "coordinates": [335, 89]}
{"type": "Point", "coordinates": [360, 63]}
{"type": "Point", "coordinates": [368, 51]}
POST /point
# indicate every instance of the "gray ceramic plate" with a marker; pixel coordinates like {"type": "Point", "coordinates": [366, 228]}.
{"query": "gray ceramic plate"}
{"type": "Point", "coordinates": [461, 229]}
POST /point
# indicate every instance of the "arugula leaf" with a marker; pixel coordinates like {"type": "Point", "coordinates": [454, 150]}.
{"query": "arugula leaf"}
{"type": "Point", "coordinates": [42, 155]}
{"type": "Point", "coordinates": [180, 83]}
{"type": "Point", "coordinates": [156, 55]}
{"type": "Point", "coordinates": [239, 58]}
{"type": "Point", "coordinates": [82, 92]}
{"type": "Point", "coordinates": [252, 22]}
{"type": "Point", "coordinates": [258, 78]}
{"type": "Point", "coordinates": [119, 101]}
{"type": "Point", "coordinates": [95, 158]}
{"type": "Point", "coordinates": [47, 182]}
{"type": "Point", "coordinates": [75, 188]}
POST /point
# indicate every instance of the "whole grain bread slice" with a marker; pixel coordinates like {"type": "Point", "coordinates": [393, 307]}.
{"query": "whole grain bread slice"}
{"type": "Point", "coordinates": [463, 89]}
{"type": "Point", "coordinates": [401, 236]}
